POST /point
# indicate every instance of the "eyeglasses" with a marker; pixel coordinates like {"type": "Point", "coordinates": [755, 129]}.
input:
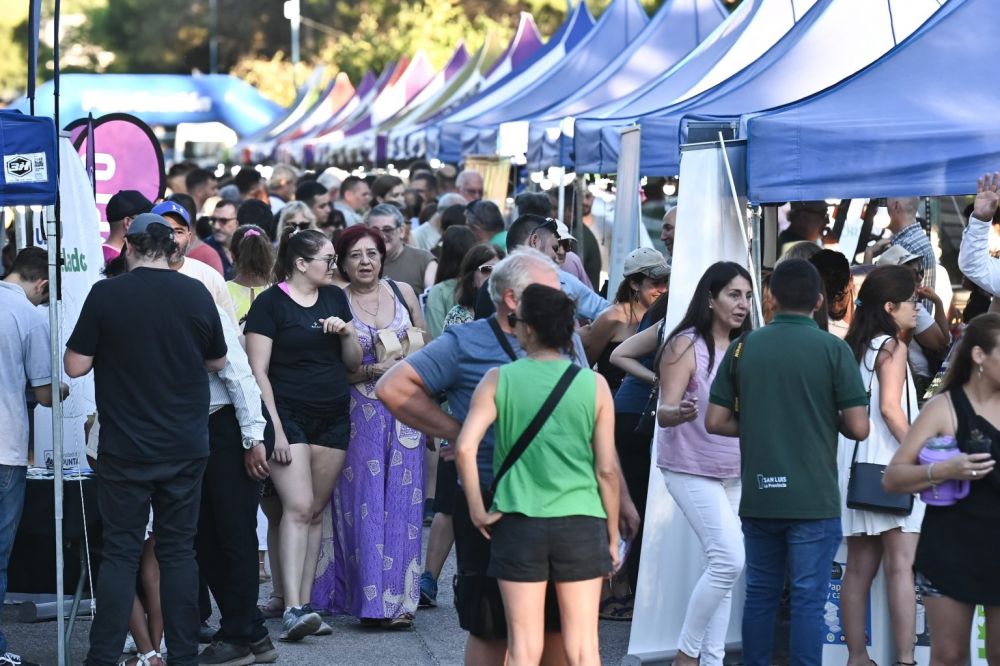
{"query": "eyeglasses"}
{"type": "Point", "coordinates": [512, 319]}
{"type": "Point", "coordinates": [331, 262]}
{"type": "Point", "coordinates": [386, 231]}
{"type": "Point", "coordinates": [215, 219]}
{"type": "Point", "coordinates": [486, 269]}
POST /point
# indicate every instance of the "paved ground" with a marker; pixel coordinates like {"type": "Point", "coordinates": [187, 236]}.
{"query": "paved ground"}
{"type": "Point", "coordinates": [435, 639]}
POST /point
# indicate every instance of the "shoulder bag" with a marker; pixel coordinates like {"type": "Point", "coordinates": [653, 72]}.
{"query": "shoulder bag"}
{"type": "Point", "coordinates": [864, 488]}
{"type": "Point", "coordinates": [647, 418]}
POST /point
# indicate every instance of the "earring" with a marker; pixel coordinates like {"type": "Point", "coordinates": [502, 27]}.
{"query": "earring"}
{"type": "Point", "coordinates": [979, 371]}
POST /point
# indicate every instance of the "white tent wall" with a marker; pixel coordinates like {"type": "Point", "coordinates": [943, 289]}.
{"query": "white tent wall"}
{"type": "Point", "coordinates": [709, 229]}
{"type": "Point", "coordinates": [625, 236]}
{"type": "Point", "coordinates": [83, 260]}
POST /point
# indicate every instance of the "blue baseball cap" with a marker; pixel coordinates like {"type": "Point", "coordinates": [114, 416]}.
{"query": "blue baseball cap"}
{"type": "Point", "coordinates": [172, 208]}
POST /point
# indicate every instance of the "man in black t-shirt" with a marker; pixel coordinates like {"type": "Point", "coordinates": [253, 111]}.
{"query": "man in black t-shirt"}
{"type": "Point", "coordinates": [149, 335]}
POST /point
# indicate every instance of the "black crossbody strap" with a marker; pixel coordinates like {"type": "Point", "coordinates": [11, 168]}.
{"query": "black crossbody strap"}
{"type": "Point", "coordinates": [871, 380]}
{"type": "Point", "coordinates": [399, 296]}
{"type": "Point", "coordinates": [502, 337]}
{"type": "Point", "coordinates": [536, 424]}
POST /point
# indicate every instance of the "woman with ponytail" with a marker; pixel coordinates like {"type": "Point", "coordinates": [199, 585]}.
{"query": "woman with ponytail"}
{"type": "Point", "coordinates": [253, 266]}
{"type": "Point", "coordinates": [301, 346]}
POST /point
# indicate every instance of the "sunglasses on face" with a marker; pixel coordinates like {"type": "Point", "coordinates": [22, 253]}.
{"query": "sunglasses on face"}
{"type": "Point", "coordinates": [486, 269]}
{"type": "Point", "coordinates": [512, 319]}
{"type": "Point", "coordinates": [301, 226]}
{"type": "Point", "coordinates": [215, 219]}
{"type": "Point", "coordinates": [386, 231]}
{"type": "Point", "coordinates": [331, 262]}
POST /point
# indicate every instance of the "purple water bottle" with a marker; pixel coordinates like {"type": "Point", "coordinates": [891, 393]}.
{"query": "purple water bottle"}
{"type": "Point", "coordinates": [946, 493]}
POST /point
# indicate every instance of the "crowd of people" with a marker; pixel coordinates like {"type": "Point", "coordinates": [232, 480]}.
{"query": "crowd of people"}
{"type": "Point", "coordinates": [356, 358]}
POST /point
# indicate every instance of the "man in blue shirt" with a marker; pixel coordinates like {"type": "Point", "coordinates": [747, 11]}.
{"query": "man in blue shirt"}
{"type": "Point", "coordinates": [453, 364]}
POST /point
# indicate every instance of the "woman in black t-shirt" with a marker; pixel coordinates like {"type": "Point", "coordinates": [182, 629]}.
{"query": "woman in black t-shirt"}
{"type": "Point", "coordinates": [301, 346]}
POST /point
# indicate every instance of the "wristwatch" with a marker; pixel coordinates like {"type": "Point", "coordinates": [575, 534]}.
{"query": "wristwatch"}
{"type": "Point", "coordinates": [249, 443]}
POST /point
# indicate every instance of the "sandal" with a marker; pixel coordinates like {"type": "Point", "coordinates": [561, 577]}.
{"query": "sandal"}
{"type": "Point", "coordinates": [404, 621]}
{"type": "Point", "coordinates": [275, 607]}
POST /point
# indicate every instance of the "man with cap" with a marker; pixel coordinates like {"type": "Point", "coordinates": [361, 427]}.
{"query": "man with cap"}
{"type": "Point", "coordinates": [542, 234]}
{"type": "Point", "coordinates": [121, 210]}
{"type": "Point", "coordinates": [177, 217]}
{"type": "Point", "coordinates": [150, 335]}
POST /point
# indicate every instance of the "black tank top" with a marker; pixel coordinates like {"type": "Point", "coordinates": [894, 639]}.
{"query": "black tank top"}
{"type": "Point", "coordinates": [609, 370]}
{"type": "Point", "coordinates": [959, 548]}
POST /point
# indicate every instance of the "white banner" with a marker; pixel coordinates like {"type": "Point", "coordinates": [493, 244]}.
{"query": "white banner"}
{"type": "Point", "coordinates": [708, 230]}
{"type": "Point", "coordinates": [625, 233]}
{"type": "Point", "coordinates": [83, 261]}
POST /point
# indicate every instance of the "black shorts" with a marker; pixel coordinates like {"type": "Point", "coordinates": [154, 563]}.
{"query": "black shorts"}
{"type": "Point", "coordinates": [477, 595]}
{"type": "Point", "coordinates": [331, 430]}
{"type": "Point", "coordinates": [446, 487]}
{"type": "Point", "coordinates": [566, 549]}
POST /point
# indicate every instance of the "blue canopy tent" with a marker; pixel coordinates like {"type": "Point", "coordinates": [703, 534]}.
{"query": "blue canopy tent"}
{"type": "Point", "coordinates": [676, 30]}
{"type": "Point", "coordinates": [746, 35]}
{"type": "Point", "coordinates": [620, 24]}
{"type": "Point", "coordinates": [160, 99]}
{"type": "Point", "coordinates": [798, 65]}
{"type": "Point", "coordinates": [916, 122]}
{"type": "Point", "coordinates": [443, 133]}
{"type": "Point", "coordinates": [28, 147]}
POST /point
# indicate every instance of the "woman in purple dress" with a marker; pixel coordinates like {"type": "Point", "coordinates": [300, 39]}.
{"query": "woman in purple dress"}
{"type": "Point", "coordinates": [369, 563]}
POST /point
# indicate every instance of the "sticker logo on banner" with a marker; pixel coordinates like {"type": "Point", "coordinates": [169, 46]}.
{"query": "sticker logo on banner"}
{"type": "Point", "coordinates": [25, 168]}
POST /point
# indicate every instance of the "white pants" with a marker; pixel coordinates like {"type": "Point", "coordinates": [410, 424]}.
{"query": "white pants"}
{"type": "Point", "coordinates": [712, 508]}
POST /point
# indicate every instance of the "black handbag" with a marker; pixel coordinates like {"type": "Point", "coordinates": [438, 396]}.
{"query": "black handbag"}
{"type": "Point", "coordinates": [647, 417]}
{"type": "Point", "coordinates": [864, 488]}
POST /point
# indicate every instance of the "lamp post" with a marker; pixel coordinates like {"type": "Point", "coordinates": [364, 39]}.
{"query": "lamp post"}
{"type": "Point", "coordinates": [294, 15]}
{"type": "Point", "coordinates": [213, 37]}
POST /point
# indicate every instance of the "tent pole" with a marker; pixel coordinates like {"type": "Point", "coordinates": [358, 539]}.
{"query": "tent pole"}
{"type": "Point", "coordinates": [55, 290]}
{"type": "Point", "coordinates": [755, 252]}
{"type": "Point", "coordinates": [562, 196]}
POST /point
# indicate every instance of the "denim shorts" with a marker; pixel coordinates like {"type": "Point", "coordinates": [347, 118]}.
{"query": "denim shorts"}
{"type": "Point", "coordinates": [566, 549]}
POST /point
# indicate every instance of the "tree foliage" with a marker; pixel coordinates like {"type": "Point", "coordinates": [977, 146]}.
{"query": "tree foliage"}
{"type": "Point", "coordinates": [172, 36]}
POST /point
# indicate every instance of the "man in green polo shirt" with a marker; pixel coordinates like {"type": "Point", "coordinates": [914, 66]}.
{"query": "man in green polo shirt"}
{"type": "Point", "coordinates": [797, 387]}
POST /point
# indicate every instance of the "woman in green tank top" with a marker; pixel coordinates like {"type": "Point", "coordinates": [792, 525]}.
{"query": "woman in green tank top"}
{"type": "Point", "coordinates": [554, 515]}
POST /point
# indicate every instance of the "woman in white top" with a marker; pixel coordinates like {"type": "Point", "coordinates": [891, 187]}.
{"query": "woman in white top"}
{"type": "Point", "coordinates": [886, 310]}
